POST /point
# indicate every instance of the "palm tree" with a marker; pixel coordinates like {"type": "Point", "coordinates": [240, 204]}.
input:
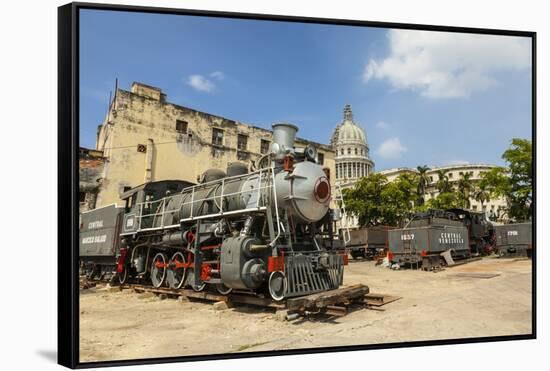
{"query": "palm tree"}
{"type": "Point", "coordinates": [423, 181]}
{"type": "Point", "coordinates": [482, 194]}
{"type": "Point", "coordinates": [443, 185]}
{"type": "Point", "coordinates": [465, 187]}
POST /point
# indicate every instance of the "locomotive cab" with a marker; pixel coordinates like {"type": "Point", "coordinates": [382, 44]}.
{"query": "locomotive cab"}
{"type": "Point", "coordinates": [142, 202]}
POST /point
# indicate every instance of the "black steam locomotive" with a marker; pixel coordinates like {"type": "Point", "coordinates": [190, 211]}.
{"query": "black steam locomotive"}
{"type": "Point", "coordinates": [270, 229]}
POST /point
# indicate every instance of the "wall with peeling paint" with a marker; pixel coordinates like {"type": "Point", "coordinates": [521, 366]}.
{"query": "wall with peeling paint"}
{"type": "Point", "coordinates": [136, 117]}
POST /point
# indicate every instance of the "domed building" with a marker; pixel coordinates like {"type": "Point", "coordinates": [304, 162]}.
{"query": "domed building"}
{"type": "Point", "coordinates": [351, 149]}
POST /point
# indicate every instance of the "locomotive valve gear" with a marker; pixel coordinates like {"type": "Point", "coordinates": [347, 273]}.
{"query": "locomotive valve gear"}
{"type": "Point", "coordinates": [247, 226]}
{"type": "Point", "coordinates": [139, 264]}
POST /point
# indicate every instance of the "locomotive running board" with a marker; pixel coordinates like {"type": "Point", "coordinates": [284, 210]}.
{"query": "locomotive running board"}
{"type": "Point", "coordinates": [224, 213]}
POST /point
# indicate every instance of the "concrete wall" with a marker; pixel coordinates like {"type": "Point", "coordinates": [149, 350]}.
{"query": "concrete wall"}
{"type": "Point", "coordinates": [90, 174]}
{"type": "Point", "coordinates": [142, 118]}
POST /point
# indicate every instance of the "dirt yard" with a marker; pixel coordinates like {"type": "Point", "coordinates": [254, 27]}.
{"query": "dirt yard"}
{"type": "Point", "coordinates": [117, 325]}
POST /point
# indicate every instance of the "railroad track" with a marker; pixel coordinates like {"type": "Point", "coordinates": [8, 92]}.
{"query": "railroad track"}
{"type": "Point", "coordinates": [334, 302]}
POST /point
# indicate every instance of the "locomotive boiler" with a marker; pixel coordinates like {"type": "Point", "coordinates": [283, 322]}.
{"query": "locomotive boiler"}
{"type": "Point", "coordinates": [268, 230]}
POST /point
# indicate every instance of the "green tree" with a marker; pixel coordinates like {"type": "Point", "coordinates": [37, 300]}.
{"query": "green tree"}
{"type": "Point", "coordinates": [520, 164]}
{"type": "Point", "coordinates": [465, 187]}
{"type": "Point", "coordinates": [422, 183]}
{"type": "Point", "coordinates": [496, 182]}
{"type": "Point", "coordinates": [376, 201]}
{"type": "Point", "coordinates": [482, 193]}
{"type": "Point", "coordinates": [514, 182]}
{"type": "Point", "coordinates": [407, 184]}
{"type": "Point", "coordinates": [363, 200]}
{"type": "Point", "coordinates": [443, 185]}
{"type": "Point", "coordinates": [445, 200]}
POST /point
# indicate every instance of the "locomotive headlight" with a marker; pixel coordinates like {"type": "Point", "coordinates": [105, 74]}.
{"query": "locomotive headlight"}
{"type": "Point", "coordinates": [322, 190]}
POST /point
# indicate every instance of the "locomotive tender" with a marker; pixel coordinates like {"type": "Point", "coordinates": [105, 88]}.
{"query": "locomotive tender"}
{"type": "Point", "coordinates": [422, 241]}
{"type": "Point", "coordinates": [266, 230]}
{"type": "Point", "coordinates": [99, 241]}
{"type": "Point", "coordinates": [368, 242]}
{"type": "Point", "coordinates": [513, 240]}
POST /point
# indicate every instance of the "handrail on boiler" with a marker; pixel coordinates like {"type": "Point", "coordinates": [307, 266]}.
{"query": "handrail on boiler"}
{"type": "Point", "coordinates": [277, 221]}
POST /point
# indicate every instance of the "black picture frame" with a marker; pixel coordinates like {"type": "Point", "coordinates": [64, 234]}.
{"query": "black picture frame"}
{"type": "Point", "coordinates": [68, 147]}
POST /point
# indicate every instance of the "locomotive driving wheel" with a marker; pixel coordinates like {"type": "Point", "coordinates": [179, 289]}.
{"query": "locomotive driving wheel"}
{"type": "Point", "coordinates": [190, 276]}
{"type": "Point", "coordinates": [196, 287]}
{"type": "Point", "coordinates": [177, 273]}
{"type": "Point", "coordinates": [123, 276]}
{"type": "Point", "coordinates": [277, 285]}
{"type": "Point", "coordinates": [158, 269]}
{"type": "Point", "coordinates": [222, 289]}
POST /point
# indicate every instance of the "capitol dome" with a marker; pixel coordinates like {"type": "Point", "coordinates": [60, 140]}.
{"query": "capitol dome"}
{"type": "Point", "coordinates": [349, 131]}
{"type": "Point", "coordinates": [351, 149]}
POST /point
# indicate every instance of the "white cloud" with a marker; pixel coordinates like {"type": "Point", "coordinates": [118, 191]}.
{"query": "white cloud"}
{"type": "Point", "coordinates": [382, 125]}
{"type": "Point", "coordinates": [391, 149]}
{"type": "Point", "coordinates": [218, 75]}
{"type": "Point", "coordinates": [201, 83]}
{"type": "Point", "coordinates": [446, 64]}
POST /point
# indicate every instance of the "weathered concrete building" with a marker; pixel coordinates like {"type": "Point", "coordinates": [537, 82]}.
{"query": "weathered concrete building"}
{"type": "Point", "coordinates": [146, 138]}
{"type": "Point", "coordinates": [90, 177]}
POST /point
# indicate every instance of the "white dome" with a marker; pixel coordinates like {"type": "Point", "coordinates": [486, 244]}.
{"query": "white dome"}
{"type": "Point", "coordinates": [348, 131]}
{"type": "Point", "coordinates": [349, 142]}
{"type": "Point", "coordinates": [351, 132]}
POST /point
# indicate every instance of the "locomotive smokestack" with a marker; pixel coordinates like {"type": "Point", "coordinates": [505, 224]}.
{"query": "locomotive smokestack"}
{"type": "Point", "coordinates": [283, 139]}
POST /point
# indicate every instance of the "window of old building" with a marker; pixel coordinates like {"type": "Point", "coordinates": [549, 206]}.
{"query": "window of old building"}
{"type": "Point", "coordinates": [242, 156]}
{"type": "Point", "coordinates": [349, 151]}
{"type": "Point", "coordinates": [264, 146]}
{"type": "Point", "coordinates": [356, 151]}
{"type": "Point", "coordinates": [81, 196]}
{"type": "Point", "coordinates": [242, 142]}
{"type": "Point", "coordinates": [451, 175]}
{"type": "Point", "coordinates": [217, 136]}
{"type": "Point", "coordinates": [321, 158]}
{"type": "Point", "coordinates": [342, 151]}
{"type": "Point", "coordinates": [181, 126]}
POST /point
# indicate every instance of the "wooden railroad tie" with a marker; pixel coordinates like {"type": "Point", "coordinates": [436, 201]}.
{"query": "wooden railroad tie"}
{"type": "Point", "coordinates": [333, 302]}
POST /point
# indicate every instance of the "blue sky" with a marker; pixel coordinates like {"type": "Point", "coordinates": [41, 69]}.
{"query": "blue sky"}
{"type": "Point", "coordinates": [422, 97]}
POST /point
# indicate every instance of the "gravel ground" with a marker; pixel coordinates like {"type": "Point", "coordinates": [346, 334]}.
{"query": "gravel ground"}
{"type": "Point", "coordinates": [116, 325]}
